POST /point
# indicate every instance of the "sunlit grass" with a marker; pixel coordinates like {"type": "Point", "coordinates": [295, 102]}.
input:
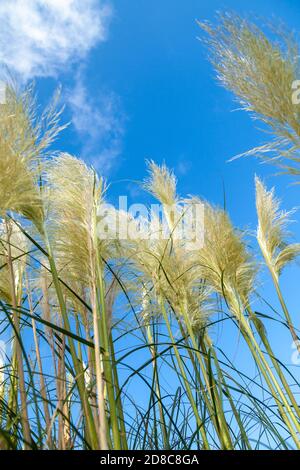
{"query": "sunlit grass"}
{"type": "Point", "coordinates": [110, 343]}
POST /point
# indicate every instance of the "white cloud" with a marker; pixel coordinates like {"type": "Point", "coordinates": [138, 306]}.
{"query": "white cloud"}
{"type": "Point", "coordinates": [39, 37]}
{"type": "Point", "coordinates": [183, 166]}
{"type": "Point", "coordinates": [99, 123]}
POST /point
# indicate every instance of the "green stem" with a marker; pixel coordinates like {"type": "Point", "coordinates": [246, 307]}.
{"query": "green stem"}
{"type": "Point", "coordinates": [98, 371]}
{"type": "Point", "coordinates": [91, 429]}
{"type": "Point", "coordinates": [228, 394]}
{"type": "Point", "coordinates": [218, 413]}
{"type": "Point", "coordinates": [19, 355]}
{"type": "Point", "coordinates": [119, 402]}
{"type": "Point", "coordinates": [157, 387]}
{"type": "Point", "coordinates": [285, 310]}
{"type": "Point", "coordinates": [270, 379]}
{"type": "Point", "coordinates": [275, 363]}
{"type": "Point", "coordinates": [107, 362]}
{"type": "Point", "coordinates": [186, 382]}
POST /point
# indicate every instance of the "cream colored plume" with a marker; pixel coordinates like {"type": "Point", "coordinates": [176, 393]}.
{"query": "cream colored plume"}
{"type": "Point", "coordinates": [76, 194]}
{"type": "Point", "coordinates": [261, 73]}
{"type": "Point", "coordinates": [24, 139]}
{"type": "Point", "coordinates": [161, 183]}
{"type": "Point", "coordinates": [272, 232]}
{"type": "Point", "coordinates": [224, 263]}
{"type": "Point", "coordinates": [164, 263]}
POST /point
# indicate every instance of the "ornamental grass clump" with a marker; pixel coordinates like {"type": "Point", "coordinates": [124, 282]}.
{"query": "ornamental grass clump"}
{"type": "Point", "coordinates": [272, 237]}
{"type": "Point", "coordinates": [109, 321]}
{"type": "Point", "coordinates": [227, 267]}
{"type": "Point", "coordinates": [76, 196]}
{"type": "Point", "coordinates": [166, 266]}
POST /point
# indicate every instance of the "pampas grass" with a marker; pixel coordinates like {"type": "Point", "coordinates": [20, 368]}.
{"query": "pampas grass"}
{"type": "Point", "coordinates": [260, 67]}
{"type": "Point", "coordinates": [272, 238]}
{"type": "Point", "coordinates": [272, 232]}
{"type": "Point", "coordinates": [113, 333]}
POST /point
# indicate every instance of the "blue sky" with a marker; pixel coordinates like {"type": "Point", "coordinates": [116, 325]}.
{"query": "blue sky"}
{"type": "Point", "coordinates": [137, 85]}
{"type": "Point", "coordinates": [150, 78]}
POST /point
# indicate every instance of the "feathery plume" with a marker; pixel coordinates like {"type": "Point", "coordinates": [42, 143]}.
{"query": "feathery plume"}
{"type": "Point", "coordinates": [170, 278]}
{"type": "Point", "coordinates": [161, 183]}
{"type": "Point", "coordinates": [224, 263]}
{"type": "Point", "coordinates": [75, 194]}
{"type": "Point", "coordinates": [271, 231]}
{"type": "Point", "coordinates": [164, 268]}
{"type": "Point", "coordinates": [24, 139]}
{"type": "Point", "coordinates": [260, 72]}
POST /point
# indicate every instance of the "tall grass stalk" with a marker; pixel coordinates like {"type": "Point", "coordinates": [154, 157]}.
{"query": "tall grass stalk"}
{"type": "Point", "coordinates": [283, 406]}
{"type": "Point", "coordinates": [80, 348]}
{"type": "Point", "coordinates": [19, 355]}
{"type": "Point", "coordinates": [180, 364]}
{"type": "Point", "coordinates": [79, 377]}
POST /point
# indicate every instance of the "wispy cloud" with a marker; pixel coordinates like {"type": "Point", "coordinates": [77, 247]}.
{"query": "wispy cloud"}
{"type": "Point", "coordinates": [99, 123]}
{"type": "Point", "coordinates": [43, 38]}
{"type": "Point", "coordinates": [40, 37]}
{"type": "Point", "coordinates": [183, 166]}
